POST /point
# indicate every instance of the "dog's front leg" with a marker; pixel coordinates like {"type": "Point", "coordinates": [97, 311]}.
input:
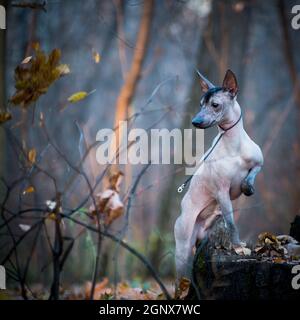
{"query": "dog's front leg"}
{"type": "Point", "coordinates": [227, 212]}
{"type": "Point", "coordinates": [247, 186]}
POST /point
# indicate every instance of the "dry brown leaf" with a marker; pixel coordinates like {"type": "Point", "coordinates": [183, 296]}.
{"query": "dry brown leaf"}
{"type": "Point", "coordinates": [35, 75]}
{"type": "Point", "coordinates": [123, 287]}
{"type": "Point", "coordinates": [267, 237]}
{"type": "Point", "coordinates": [109, 205]}
{"type": "Point", "coordinates": [115, 180]}
{"type": "Point", "coordinates": [183, 287]}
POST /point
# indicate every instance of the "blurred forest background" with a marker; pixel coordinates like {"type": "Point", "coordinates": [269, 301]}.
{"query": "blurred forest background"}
{"type": "Point", "coordinates": [123, 53]}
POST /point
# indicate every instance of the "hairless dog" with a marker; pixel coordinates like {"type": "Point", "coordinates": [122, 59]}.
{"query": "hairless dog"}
{"type": "Point", "coordinates": [227, 172]}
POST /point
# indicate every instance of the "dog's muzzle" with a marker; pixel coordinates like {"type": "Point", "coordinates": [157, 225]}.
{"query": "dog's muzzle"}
{"type": "Point", "coordinates": [201, 124]}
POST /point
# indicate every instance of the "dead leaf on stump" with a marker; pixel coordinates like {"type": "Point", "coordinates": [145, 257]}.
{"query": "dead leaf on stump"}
{"type": "Point", "coordinates": [267, 238]}
{"type": "Point", "coordinates": [270, 246]}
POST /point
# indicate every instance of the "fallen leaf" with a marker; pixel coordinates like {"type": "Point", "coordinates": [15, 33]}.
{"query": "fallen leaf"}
{"type": "Point", "coordinates": [32, 156]}
{"type": "Point", "coordinates": [182, 289]}
{"type": "Point", "coordinates": [268, 241]}
{"type": "Point", "coordinates": [100, 289]}
{"type": "Point", "coordinates": [108, 295]}
{"type": "Point", "coordinates": [267, 237]}
{"type": "Point", "coordinates": [184, 284]}
{"type": "Point", "coordinates": [123, 287]}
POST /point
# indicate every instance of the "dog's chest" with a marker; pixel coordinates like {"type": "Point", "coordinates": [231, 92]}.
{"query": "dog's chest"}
{"type": "Point", "coordinates": [233, 162]}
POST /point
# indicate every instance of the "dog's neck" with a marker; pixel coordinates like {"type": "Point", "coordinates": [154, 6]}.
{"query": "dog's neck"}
{"type": "Point", "coordinates": [232, 123]}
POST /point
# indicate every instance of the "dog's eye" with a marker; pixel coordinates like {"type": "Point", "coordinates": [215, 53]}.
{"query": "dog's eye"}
{"type": "Point", "coordinates": [214, 105]}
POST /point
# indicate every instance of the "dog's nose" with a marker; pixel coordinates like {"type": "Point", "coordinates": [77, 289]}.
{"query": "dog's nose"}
{"type": "Point", "coordinates": [197, 122]}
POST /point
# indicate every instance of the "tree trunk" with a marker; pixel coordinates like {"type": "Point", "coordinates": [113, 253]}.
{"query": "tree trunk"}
{"type": "Point", "coordinates": [131, 79]}
{"type": "Point", "coordinates": [220, 274]}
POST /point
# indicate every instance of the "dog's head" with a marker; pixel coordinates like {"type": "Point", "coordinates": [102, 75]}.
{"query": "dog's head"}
{"type": "Point", "coordinates": [216, 101]}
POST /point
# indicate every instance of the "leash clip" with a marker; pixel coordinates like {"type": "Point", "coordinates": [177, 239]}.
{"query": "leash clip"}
{"type": "Point", "coordinates": [181, 188]}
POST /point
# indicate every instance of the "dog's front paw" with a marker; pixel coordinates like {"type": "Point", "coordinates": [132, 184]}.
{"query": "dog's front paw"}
{"type": "Point", "coordinates": [247, 188]}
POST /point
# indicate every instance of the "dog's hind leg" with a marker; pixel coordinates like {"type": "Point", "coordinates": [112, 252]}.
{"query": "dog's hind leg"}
{"type": "Point", "coordinates": [186, 232]}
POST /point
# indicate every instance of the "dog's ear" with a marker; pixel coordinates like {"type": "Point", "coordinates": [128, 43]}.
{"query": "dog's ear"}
{"type": "Point", "coordinates": [230, 83]}
{"type": "Point", "coordinates": [204, 83]}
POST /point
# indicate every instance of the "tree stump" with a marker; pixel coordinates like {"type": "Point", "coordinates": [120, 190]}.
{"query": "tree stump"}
{"type": "Point", "coordinates": [220, 274]}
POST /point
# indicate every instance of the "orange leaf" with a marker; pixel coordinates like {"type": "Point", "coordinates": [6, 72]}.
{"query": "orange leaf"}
{"type": "Point", "coordinates": [32, 156]}
{"type": "Point", "coordinates": [100, 289]}
{"type": "Point", "coordinates": [29, 190]}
